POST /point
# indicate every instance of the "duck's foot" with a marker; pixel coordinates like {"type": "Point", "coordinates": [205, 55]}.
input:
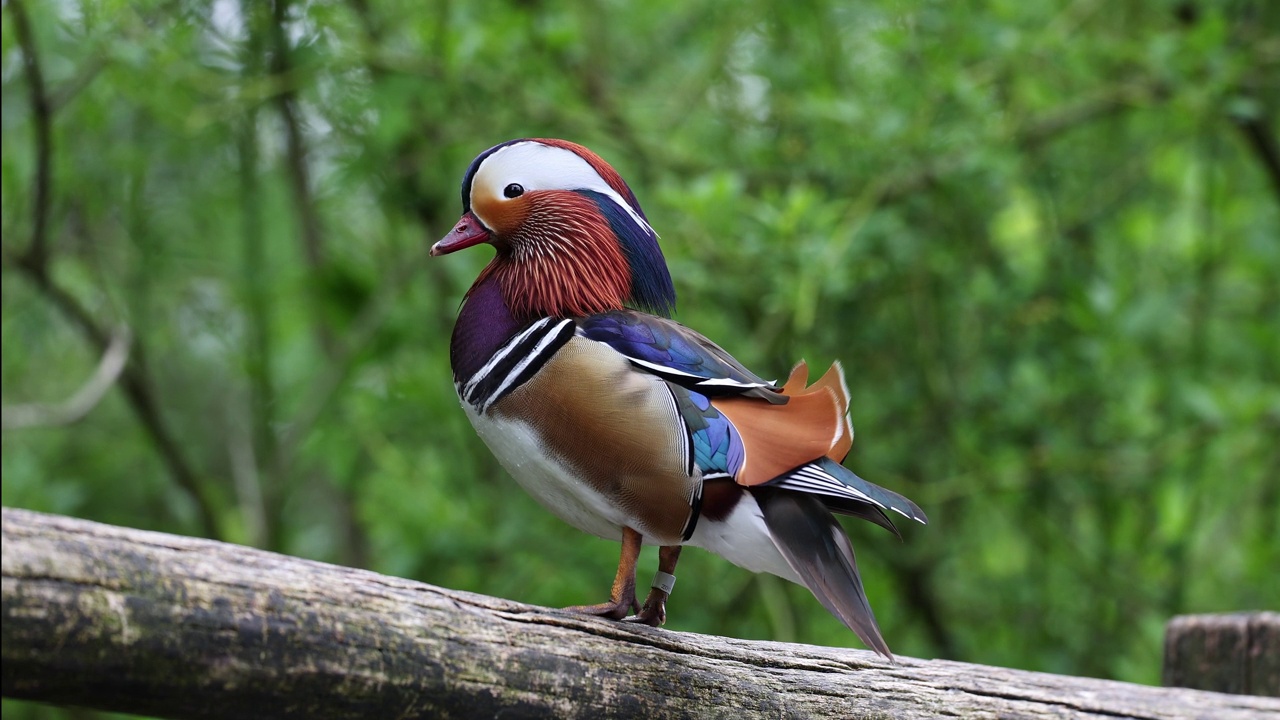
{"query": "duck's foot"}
{"type": "Point", "coordinates": [614, 609]}
{"type": "Point", "coordinates": [654, 612]}
{"type": "Point", "coordinates": [622, 599]}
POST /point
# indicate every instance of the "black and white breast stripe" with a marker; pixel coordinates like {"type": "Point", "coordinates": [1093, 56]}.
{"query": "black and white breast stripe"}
{"type": "Point", "coordinates": [519, 359]}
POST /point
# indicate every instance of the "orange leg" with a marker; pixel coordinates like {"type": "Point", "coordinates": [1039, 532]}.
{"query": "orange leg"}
{"type": "Point", "coordinates": [622, 599]}
{"type": "Point", "coordinates": [654, 612]}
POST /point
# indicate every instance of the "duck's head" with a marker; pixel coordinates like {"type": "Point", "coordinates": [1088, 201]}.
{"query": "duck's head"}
{"type": "Point", "coordinates": [571, 238]}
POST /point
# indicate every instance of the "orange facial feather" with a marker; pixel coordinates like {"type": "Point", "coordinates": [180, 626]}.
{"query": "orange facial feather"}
{"type": "Point", "coordinates": [503, 217]}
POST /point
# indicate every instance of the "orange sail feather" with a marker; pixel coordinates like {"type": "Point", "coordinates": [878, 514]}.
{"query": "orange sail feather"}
{"type": "Point", "coordinates": [778, 438]}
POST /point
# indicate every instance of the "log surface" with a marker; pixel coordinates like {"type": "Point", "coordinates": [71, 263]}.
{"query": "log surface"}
{"type": "Point", "coordinates": [133, 621]}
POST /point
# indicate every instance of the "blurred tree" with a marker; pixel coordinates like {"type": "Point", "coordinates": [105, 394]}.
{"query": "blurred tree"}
{"type": "Point", "coordinates": [1044, 238]}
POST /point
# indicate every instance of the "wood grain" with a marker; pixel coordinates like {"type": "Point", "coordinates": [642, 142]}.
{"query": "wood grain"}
{"type": "Point", "coordinates": [1227, 652]}
{"type": "Point", "coordinates": [126, 620]}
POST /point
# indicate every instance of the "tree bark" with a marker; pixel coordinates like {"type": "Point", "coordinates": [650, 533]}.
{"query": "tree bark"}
{"type": "Point", "coordinates": [143, 622]}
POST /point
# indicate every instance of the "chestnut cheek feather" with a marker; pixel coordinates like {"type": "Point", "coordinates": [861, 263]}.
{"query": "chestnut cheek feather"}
{"type": "Point", "coordinates": [581, 269]}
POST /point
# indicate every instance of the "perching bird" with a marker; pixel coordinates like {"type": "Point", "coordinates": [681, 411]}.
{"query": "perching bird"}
{"type": "Point", "coordinates": [628, 425]}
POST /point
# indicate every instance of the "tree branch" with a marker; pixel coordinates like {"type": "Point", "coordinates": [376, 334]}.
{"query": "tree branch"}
{"type": "Point", "coordinates": [1256, 124]}
{"type": "Point", "coordinates": [35, 261]}
{"type": "Point", "coordinates": [281, 67]}
{"type": "Point", "coordinates": [37, 256]}
{"type": "Point", "coordinates": [326, 383]}
{"type": "Point", "coordinates": [137, 388]}
{"type": "Point", "coordinates": [1028, 135]}
{"type": "Point", "coordinates": [69, 89]}
{"type": "Point", "coordinates": [258, 488]}
{"type": "Point", "coordinates": [83, 400]}
{"type": "Point", "coordinates": [1258, 132]}
{"type": "Point", "coordinates": [144, 622]}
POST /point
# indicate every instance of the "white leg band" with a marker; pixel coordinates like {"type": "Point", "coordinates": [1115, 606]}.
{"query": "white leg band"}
{"type": "Point", "coordinates": [664, 581]}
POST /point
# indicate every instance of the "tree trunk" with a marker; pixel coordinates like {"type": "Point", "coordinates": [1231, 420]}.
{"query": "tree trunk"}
{"type": "Point", "coordinates": [143, 622]}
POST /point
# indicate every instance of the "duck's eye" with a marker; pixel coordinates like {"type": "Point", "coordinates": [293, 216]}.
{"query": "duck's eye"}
{"type": "Point", "coordinates": [514, 190]}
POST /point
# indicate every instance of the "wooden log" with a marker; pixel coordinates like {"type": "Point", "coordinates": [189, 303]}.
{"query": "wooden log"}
{"type": "Point", "coordinates": [1229, 652]}
{"type": "Point", "coordinates": [143, 622]}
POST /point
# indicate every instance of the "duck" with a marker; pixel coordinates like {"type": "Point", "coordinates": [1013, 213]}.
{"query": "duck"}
{"type": "Point", "coordinates": [628, 425]}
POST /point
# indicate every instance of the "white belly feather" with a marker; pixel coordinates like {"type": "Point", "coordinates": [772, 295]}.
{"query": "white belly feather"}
{"type": "Point", "coordinates": [743, 539]}
{"type": "Point", "coordinates": [549, 480]}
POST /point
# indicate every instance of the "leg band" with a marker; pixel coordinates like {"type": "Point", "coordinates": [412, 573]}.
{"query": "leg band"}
{"type": "Point", "coordinates": [664, 581]}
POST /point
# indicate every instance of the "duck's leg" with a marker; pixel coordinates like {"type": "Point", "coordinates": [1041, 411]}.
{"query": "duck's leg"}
{"type": "Point", "coordinates": [622, 599]}
{"type": "Point", "coordinates": [654, 612]}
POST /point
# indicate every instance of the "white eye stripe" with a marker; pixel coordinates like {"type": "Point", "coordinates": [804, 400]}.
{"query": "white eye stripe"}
{"type": "Point", "coordinates": [535, 166]}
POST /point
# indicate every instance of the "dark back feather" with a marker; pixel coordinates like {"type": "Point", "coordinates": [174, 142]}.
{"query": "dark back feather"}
{"type": "Point", "coordinates": [817, 549]}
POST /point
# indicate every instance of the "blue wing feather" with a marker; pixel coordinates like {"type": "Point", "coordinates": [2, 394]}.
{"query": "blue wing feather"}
{"type": "Point", "coordinates": [717, 446]}
{"type": "Point", "coordinates": [677, 354]}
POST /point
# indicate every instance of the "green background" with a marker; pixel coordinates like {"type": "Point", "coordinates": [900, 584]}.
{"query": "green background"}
{"type": "Point", "coordinates": [1043, 237]}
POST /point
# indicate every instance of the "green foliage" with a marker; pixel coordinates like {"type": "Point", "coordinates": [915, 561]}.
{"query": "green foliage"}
{"type": "Point", "coordinates": [1042, 237]}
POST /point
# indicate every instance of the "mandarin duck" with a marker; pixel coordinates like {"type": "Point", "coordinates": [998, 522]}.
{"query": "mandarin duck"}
{"type": "Point", "coordinates": [628, 425]}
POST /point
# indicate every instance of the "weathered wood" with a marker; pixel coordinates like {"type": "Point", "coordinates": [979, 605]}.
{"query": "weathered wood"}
{"type": "Point", "coordinates": [1231, 653]}
{"type": "Point", "coordinates": [143, 622]}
